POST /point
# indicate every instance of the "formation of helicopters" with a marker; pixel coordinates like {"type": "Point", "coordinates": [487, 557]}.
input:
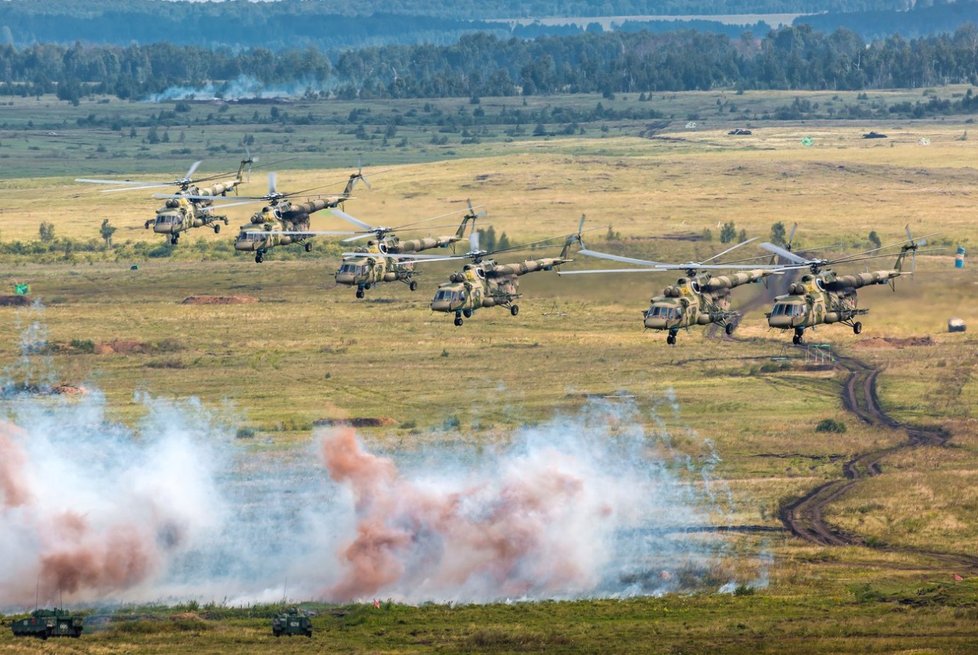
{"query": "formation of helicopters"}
{"type": "Point", "coordinates": [375, 263]}
{"type": "Point", "coordinates": [190, 207]}
{"type": "Point", "coordinates": [700, 297]}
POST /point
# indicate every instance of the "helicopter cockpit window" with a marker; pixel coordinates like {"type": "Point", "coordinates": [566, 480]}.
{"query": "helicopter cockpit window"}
{"type": "Point", "coordinates": [446, 294]}
{"type": "Point", "coordinates": [787, 309]}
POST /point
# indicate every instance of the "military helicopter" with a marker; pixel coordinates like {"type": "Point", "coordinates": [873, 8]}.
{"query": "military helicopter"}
{"type": "Point", "coordinates": [373, 264]}
{"type": "Point", "coordinates": [192, 206]}
{"type": "Point", "coordinates": [698, 298]}
{"type": "Point", "coordinates": [823, 297]}
{"type": "Point", "coordinates": [484, 283]}
{"type": "Point", "coordinates": [282, 222]}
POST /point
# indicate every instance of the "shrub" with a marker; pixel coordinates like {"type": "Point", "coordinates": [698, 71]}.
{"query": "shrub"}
{"type": "Point", "coordinates": [830, 425]}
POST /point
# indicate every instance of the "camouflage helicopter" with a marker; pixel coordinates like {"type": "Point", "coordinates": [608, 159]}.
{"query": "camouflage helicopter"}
{"type": "Point", "coordinates": [484, 283]}
{"type": "Point", "coordinates": [373, 264]}
{"type": "Point", "coordinates": [698, 298]}
{"type": "Point", "coordinates": [188, 208]}
{"type": "Point", "coordinates": [282, 222]}
{"type": "Point", "coordinates": [823, 297]}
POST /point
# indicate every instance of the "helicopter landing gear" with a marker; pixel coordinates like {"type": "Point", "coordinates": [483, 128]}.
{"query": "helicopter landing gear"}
{"type": "Point", "coordinates": [308, 247]}
{"type": "Point", "coordinates": [217, 228]}
{"type": "Point", "coordinates": [671, 339]}
{"type": "Point", "coordinates": [467, 313]}
{"type": "Point", "coordinates": [797, 338]}
{"type": "Point", "coordinates": [259, 257]}
{"type": "Point", "coordinates": [360, 292]}
{"type": "Point", "coordinates": [412, 285]}
{"type": "Point", "coordinates": [174, 238]}
{"type": "Point", "coordinates": [728, 329]}
{"type": "Point", "coordinates": [458, 320]}
{"type": "Point", "coordinates": [514, 310]}
{"type": "Point", "coordinates": [857, 327]}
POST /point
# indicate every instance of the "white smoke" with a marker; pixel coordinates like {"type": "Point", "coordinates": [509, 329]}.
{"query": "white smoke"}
{"type": "Point", "coordinates": [241, 88]}
{"type": "Point", "coordinates": [585, 505]}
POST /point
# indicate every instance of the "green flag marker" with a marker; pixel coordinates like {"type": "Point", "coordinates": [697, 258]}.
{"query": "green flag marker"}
{"type": "Point", "coordinates": [807, 141]}
{"type": "Point", "coordinates": [22, 289]}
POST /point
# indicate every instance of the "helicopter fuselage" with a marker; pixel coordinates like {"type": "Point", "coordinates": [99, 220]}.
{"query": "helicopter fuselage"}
{"type": "Point", "coordinates": [698, 300]}
{"type": "Point", "coordinates": [824, 298]}
{"type": "Point", "coordinates": [486, 284]}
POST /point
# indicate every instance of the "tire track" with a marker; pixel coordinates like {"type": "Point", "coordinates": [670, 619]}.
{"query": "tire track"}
{"type": "Point", "coordinates": [804, 516]}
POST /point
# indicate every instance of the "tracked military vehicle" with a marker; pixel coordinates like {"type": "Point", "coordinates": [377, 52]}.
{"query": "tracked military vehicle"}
{"type": "Point", "coordinates": [292, 622]}
{"type": "Point", "coordinates": [48, 623]}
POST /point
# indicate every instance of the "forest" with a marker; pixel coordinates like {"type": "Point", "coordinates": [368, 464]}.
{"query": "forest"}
{"type": "Point", "coordinates": [332, 26]}
{"type": "Point", "coordinates": [796, 58]}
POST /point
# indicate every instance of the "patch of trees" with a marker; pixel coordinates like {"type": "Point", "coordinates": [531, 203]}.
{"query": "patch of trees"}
{"type": "Point", "coordinates": [922, 19]}
{"type": "Point", "coordinates": [798, 58]}
{"type": "Point", "coordinates": [108, 21]}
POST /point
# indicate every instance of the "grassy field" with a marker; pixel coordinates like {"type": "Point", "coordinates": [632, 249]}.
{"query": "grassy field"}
{"type": "Point", "coordinates": [307, 352]}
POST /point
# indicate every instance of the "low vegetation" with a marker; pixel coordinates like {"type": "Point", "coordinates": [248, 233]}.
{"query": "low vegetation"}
{"type": "Point", "coordinates": [308, 354]}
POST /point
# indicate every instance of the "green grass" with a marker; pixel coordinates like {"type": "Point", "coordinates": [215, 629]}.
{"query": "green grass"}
{"type": "Point", "coordinates": [307, 351]}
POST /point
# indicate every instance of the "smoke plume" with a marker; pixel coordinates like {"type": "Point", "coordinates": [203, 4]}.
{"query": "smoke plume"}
{"type": "Point", "coordinates": [592, 504]}
{"type": "Point", "coordinates": [91, 510]}
{"type": "Point", "coordinates": [580, 506]}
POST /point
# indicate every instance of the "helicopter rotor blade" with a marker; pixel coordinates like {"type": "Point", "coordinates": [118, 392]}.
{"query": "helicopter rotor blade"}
{"type": "Point", "coordinates": [339, 213]}
{"type": "Point", "coordinates": [272, 183]}
{"type": "Point", "coordinates": [358, 237]}
{"type": "Point", "coordinates": [786, 254]}
{"type": "Point", "coordinates": [136, 188]}
{"type": "Point", "coordinates": [191, 170]}
{"type": "Point", "coordinates": [721, 254]}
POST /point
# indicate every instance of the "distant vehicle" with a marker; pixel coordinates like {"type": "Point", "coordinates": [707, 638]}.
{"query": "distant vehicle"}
{"type": "Point", "coordinates": [874, 135]}
{"type": "Point", "coordinates": [739, 131]}
{"type": "Point", "coordinates": [292, 622]}
{"type": "Point", "coordinates": [48, 623]}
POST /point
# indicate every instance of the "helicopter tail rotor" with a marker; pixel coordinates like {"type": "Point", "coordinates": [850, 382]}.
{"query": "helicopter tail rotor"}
{"type": "Point", "coordinates": [911, 247]}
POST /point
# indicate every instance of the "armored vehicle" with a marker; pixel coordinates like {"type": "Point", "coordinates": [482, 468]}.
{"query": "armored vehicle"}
{"type": "Point", "coordinates": [48, 623]}
{"type": "Point", "coordinates": [292, 622]}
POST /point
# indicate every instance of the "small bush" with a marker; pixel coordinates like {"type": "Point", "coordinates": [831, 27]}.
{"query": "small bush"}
{"type": "Point", "coordinates": [83, 345]}
{"type": "Point", "coordinates": [830, 425]}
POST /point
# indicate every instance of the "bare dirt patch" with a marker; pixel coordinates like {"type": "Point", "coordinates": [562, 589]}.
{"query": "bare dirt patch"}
{"type": "Point", "coordinates": [894, 342]}
{"type": "Point", "coordinates": [357, 422]}
{"type": "Point", "coordinates": [122, 347]}
{"type": "Point", "coordinates": [218, 300]}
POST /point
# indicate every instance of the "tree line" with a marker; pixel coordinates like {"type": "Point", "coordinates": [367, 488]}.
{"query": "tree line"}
{"type": "Point", "coordinates": [794, 58]}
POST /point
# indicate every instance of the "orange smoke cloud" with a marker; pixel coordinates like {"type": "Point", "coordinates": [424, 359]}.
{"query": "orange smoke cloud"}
{"type": "Point", "coordinates": [116, 558]}
{"type": "Point", "coordinates": [13, 486]}
{"type": "Point", "coordinates": [498, 535]}
{"type": "Point", "coordinates": [66, 545]}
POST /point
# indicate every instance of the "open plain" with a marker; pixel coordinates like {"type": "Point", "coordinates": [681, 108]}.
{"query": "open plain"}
{"type": "Point", "coordinates": [297, 352]}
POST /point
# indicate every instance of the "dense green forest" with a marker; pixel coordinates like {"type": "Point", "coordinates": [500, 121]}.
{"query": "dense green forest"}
{"type": "Point", "coordinates": [37, 13]}
{"type": "Point", "coordinates": [923, 20]}
{"type": "Point", "coordinates": [481, 64]}
{"type": "Point", "coordinates": [333, 26]}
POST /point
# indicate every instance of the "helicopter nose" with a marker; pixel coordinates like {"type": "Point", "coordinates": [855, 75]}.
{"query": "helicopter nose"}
{"type": "Point", "coordinates": [346, 278]}
{"type": "Point", "coordinates": [656, 323]}
{"type": "Point", "coordinates": [782, 321]}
